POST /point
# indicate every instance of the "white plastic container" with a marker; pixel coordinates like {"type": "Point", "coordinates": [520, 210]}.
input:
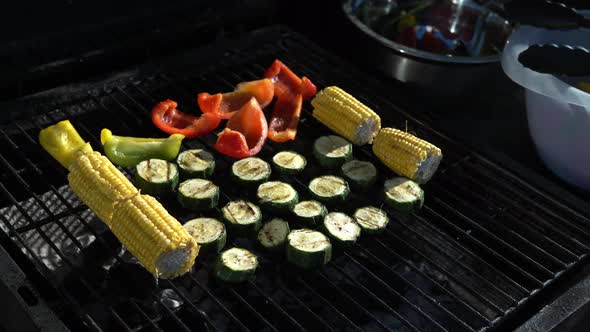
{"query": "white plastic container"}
{"type": "Point", "coordinates": [558, 113]}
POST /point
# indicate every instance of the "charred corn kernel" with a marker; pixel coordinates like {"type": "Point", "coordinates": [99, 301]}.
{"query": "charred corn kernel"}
{"type": "Point", "coordinates": [406, 154]}
{"type": "Point", "coordinates": [154, 237]}
{"type": "Point", "coordinates": [345, 115]}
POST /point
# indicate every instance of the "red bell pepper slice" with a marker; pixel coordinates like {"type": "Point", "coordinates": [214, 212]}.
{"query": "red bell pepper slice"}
{"type": "Point", "coordinates": [290, 91]}
{"type": "Point", "coordinates": [170, 120]}
{"type": "Point", "coordinates": [228, 103]}
{"type": "Point", "coordinates": [245, 133]}
{"type": "Point", "coordinates": [286, 81]}
{"type": "Point", "coordinates": [285, 118]}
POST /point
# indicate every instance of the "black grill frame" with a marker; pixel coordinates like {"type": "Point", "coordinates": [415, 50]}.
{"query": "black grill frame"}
{"type": "Point", "coordinates": [494, 241]}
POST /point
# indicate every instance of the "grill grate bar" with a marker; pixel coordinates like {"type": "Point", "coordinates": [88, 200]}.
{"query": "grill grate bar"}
{"type": "Point", "coordinates": [144, 315]}
{"type": "Point", "coordinates": [506, 231]}
{"type": "Point", "coordinates": [546, 273]}
{"type": "Point", "coordinates": [575, 229]}
{"type": "Point", "coordinates": [418, 290]}
{"type": "Point", "coordinates": [526, 225]}
{"type": "Point", "coordinates": [191, 304]}
{"type": "Point", "coordinates": [252, 309]}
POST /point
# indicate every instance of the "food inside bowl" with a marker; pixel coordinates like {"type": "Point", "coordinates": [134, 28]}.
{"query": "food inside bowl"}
{"type": "Point", "coordinates": [454, 28]}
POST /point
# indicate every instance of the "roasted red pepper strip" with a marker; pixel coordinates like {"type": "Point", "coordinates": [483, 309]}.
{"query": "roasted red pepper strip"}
{"type": "Point", "coordinates": [285, 118]}
{"type": "Point", "coordinates": [245, 132]}
{"type": "Point", "coordinates": [228, 103]}
{"type": "Point", "coordinates": [172, 121]}
{"type": "Point", "coordinates": [290, 91]}
{"type": "Point", "coordinates": [286, 82]}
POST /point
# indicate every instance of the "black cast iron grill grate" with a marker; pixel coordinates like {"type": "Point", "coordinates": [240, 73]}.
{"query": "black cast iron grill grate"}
{"type": "Point", "coordinates": [484, 244]}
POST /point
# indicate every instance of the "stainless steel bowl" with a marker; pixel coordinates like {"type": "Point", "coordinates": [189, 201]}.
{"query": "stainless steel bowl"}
{"type": "Point", "coordinates": [439, 74]}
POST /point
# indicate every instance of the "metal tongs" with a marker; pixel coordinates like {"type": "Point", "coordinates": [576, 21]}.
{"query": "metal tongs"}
{"type": "Point", "coordinates": [556, 59]}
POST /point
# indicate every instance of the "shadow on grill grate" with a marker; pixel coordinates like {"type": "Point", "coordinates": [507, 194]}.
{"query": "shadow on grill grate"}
{"type": "Point", "coordinates": [482, 245]}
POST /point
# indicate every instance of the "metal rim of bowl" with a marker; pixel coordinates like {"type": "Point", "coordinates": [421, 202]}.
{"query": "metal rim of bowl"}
{"type": "Point", "coordinates": [423, 55]}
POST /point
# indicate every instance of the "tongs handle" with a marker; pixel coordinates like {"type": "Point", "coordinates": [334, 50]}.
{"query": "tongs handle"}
{"type": "Point", "coordinates": [545, 14]}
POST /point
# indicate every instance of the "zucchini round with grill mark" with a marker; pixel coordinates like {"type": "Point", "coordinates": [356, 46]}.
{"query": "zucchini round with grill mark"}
{"type": "Point", "coordinates": [308, 249]}
{"type": "Point", "coordinates": [273, 234]}
{"type": "Point", "coordinates": [235, 265]}
{"type": "Point", "coordinates": [250, 171]}
{"type": "Point", "coordinates": [156, 176]}
{"type": "Point", "coordinates": [196, 163]}
{"type": "Point", "coordinates": [403, 194]}
{"type": "Point", "coordinates": [361, 175]}
{"type": "Point", "coordinates": [209, 233]}
{"type": "Point", "coordinates": [310, 213]}
{"type": "Point", "coordinates": [371, 219]}
{"type": "Point", "coordinates": [332, 151]}
{"type": "Point", "coordinates": [289, 162]}
{"type": "Point", "coordinates": [277, 196]}
{"type": "Point", "coordinates": [342, 228]}
{"type": "Point", "coordinates": [242, 217]}
{"type": "Point", "coordinates": [329, 189]}
{"type": "Point", "coordinates": [198, 194]}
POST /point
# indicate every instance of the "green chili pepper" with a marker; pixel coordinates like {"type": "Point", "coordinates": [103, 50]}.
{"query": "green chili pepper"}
{"type": "Point", "coordinates": [130, 151]}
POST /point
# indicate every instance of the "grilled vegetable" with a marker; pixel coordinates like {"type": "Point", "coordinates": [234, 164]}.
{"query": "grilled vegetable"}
{"type": "Point", "coordinates": [342, 228]}
{"type": "Point", "coordinates": [403, 194]}
{"type": "Point", "coordinates": [329, 189]}
{"type": "Point", "coordinates": [250, 171]}
{"type": "Point", "coordinates": [143, 226]}
{"type": "Point", "coordinates": [277, 196]}
{"type": "Point", "coordinates": [235, 265]}
{"type": "Point", "coordinates": [245, 132]}
{"type": "Point", "coordinates": [227, 104]}
{"type": "Point", "coordinates": [308, 249]}
{"type": "Point", "coordinates": [63, 142]}
{"type": "Point", "coordinates": [196, 163]}
{"type": "Point", "coordinates": [310, 213]}
{"type": "Point", "coordinates": [345, 115]}
{"type": "Point", "coordinates": [130, 151]}
{"type": "Point", "coordinates": [273, 234]}
{"type": "Point", "coordinates": [361, 175]}
{"type": "Point", "coordinates": [289, 162]}
{"type": "Point", "coordinates": [242, 217]}
{"type": "Point", "coordinates": [285, 118]}
{"type": "Point", "coordinates": [156, 176]}
{"type": "Point", "coordinates": [406, 154]}
{"type": "Point", "coordinates": [371, 219]}
{"type": "Point", "coordinates": [332, 151]}
{"type": "Point", "coordinates": [209, 233]}
{"type": "Point", "coordinates": [198, 194]}
{"type": "Point", "coordinates": [170, 120]}
{"type": "Point", "coordinates": [287, 83]}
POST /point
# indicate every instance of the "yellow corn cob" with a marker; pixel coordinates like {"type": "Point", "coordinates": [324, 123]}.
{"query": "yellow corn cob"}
{"type": "Point", "coordinates": [154, 237]}
{"type": "Point", "coordinates": [407, 155]}
{"type": "Point", "coordinates": [345, 115]}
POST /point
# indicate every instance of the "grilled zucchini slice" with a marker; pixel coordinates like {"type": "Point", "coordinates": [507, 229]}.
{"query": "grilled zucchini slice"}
{"type": "Point", "coordinates": [310, 213]}
{"type": "Point", "coordinates": [332, 151]}
{"type": "Point", "coordinates": [235, 265]}
{"type": "Point", "coordinates": [403, 194]}
{"type": "Point", "coordinates": [289, 162]}
{"type": "Point", "coordinates": [242, 217]}
{"type": "Point", "coordinates": [308, 249]}
{"type": "Point", "coordinates": [209, 233]}
{"type": "Point", "coordinates": [329, 189]}
{"type": "Point", "coordinates": [156, 176]}
{"type": "Point", "coordinates": [273, 234]}
{"type": "Point", "coordinates": [250, 171]}
{"type": "Point", "coordinates": [277, 196]}
{"type": "Point", "coordinates": [342, 228]}
{"type": "Point", "coordinates": [371, 219]}
{"type": "Point", "coordinates": [361, 175]}
{"type": "Point", "coordinates": [196, 163]}
{"type": "Point", "coordinates": [198, 194]}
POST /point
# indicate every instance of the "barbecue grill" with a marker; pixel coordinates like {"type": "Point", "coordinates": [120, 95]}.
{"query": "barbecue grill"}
{"type": "Point", "coordinates": [486, 252]}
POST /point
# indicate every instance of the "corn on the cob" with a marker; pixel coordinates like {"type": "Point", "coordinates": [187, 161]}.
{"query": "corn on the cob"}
{"type": "Point", "coordinates": [143, 226]}
{"type": "Point", "coordinates": [345, 115]}
{"type": "Point", "coordinates": [407, 155]}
